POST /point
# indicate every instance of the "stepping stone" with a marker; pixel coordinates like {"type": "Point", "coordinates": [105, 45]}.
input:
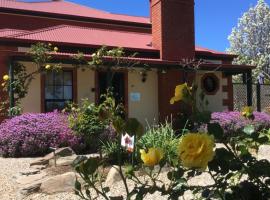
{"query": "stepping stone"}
{"type": "Point", "coordinates": [24, 180]}
{"type": "Point", "coordinates": [61, 152]}
{"type": "Point", "coordinates": [60, 183]}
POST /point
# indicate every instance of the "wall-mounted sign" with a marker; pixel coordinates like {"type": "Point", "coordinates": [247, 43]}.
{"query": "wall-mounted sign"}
{"type": "Point", "coordinates": [135, 96]}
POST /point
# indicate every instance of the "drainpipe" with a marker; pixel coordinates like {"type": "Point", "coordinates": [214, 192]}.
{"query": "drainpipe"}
{"type": "Point", "coordinates": [11, 91]}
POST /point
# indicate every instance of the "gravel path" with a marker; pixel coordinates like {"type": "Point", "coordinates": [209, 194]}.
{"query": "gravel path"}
{"type": "Point", "coordinates": [11, 166]}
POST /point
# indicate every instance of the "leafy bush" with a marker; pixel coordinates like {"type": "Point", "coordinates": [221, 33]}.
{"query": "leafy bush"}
{"type": "Point", "coordinates": [233, 122]}
{"type": "Point", "coordinates": [162, 137]}
{"type": "Point", "coordinates": [33, 134]}
{"type": "Point", "coordinates": [91, 122]}
{"type": "Point", "coordinates": [85, 122]}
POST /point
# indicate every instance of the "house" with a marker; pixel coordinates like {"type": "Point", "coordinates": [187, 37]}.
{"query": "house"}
{"type": "Point", "coordinates": [161, 41]}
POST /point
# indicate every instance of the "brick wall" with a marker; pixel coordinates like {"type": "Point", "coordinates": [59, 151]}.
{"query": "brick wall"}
{"type": "Point", "coordinates": [173, 28]}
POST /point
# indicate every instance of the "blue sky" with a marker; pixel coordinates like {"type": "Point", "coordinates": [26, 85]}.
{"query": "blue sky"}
{"type": "Point", "coordinates": [214, 18]}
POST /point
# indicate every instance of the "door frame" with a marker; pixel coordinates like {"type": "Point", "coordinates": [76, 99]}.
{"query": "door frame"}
{"type": "Point", "coordinates": [97, 94]}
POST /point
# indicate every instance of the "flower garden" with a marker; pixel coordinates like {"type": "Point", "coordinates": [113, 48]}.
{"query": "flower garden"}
{"type": "Point", "coordinates": [184, 153]}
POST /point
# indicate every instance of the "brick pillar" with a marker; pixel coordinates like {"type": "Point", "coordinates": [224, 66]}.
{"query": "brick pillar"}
{"type": "Point", "coordinates": [166, 87]}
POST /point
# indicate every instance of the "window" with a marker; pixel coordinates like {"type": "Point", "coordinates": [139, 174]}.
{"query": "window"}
{"type": "Point", "coordinates": [58, 90]}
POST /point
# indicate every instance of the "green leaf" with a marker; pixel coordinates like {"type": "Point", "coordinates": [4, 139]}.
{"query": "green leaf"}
{"type": "Point", "coordinates": [90, 166]}
{"type": "Point", "coordinates": [216, 130]}
{"type": "Point", "coordinates": [78, 185]}
{"type": "Point", "coordinates": [134, 127]}
{"type": "Point", "coordinates": [249, 129]}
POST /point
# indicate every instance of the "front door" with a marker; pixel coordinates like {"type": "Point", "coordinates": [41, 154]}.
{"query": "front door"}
{"type": "Point", "coordinates": [115, 80]}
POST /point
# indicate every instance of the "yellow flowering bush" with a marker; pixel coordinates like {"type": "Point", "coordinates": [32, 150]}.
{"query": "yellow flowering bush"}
{"type": "Point", "coordinates": [152, 157]}
{"type": "Point", "coordinates": [182, 93]}
{"type": "Point", "coordinates": [6, 77]}
{"type": "Point", "coordinates": [247, 112]}
{"type": "Point", "coordinates": [196, 150]}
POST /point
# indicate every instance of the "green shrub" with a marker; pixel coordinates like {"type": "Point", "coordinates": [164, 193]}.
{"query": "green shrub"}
{"type": "Point", "coordinates": [162, 137]}
{"type": "Point", "coordinates": [85, 122]}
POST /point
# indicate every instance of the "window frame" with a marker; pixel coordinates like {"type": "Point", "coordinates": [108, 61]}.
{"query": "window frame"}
{"type": "Point", "coordinates": [74, 88]}
{"type": "Point", "coordinates": [215, 78]}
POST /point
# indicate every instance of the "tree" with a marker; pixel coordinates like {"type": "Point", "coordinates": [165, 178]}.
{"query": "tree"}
{"type": "Point", "coordinates": [250, 39]}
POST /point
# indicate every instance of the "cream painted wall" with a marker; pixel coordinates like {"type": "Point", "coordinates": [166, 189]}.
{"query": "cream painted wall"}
{"type": "Point", "coordinates": [32, 102]}
{"type": "Point", "coordinates": [215, 101]}
{"type": "Point", "coordinates": [145, 110]}
{"type": "Point", "coordinates": [85, 83]}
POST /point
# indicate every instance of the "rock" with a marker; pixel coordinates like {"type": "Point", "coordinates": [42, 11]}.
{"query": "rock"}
{"type": "Point", "coordinates": [78, 160]}
{"type": "Point", "coordinates": [113, 176]}
{"type": "Point", "coordinates": [60, 183]}
{"type": "Point", "coordinates": [29, 189]}
{"type": "Point", "coordinates": [61, 152]}
{"type": "Point", "coordinates": [39, 161]}
{"type": "Point", "coordinates": [24, 180]}
{"type": "Point", "coordinates": [263, 152]}
{"type": "Point", "coordinates": [39, 167]}
{"type": "Point", "coordinates": [63, 161]}
{"type": "Point", "coordinates": [30, 171]}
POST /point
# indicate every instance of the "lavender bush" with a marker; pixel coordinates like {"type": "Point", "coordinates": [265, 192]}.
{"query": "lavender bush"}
{"type": "Point", "coordinates": [233, 122]}
{"type": "Point", "coordinates": [33, 134]}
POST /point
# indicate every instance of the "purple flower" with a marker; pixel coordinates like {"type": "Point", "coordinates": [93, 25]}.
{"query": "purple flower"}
{"type": "Point", "coordinates": [233, 122]}
{"type": "Point", "coordinates": [32, 134]}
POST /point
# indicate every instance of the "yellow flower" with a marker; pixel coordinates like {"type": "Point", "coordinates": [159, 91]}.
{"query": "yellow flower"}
{"type": "Point", "coordinates": [247, 112]}
{"type": "Point", "coordinates": [55, 49]}
{"type": "Point", "coordinates": [182, 93]}
{"type": "Point", "coordinates": [196, 150]}
{"type": "Point", "coordinates": [3, 84]}
{"type": "Point", "coordinates": [47, 66]}
{"type": "Point", "coordinates": [5, 77]}
{"type": "Point", "coordinates": [152, 157]}
{"type": "Point", "coordinates": [50, 44]}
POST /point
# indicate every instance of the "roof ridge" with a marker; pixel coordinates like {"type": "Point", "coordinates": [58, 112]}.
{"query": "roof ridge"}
{"type": "Point", "coordinates": [88, 7]}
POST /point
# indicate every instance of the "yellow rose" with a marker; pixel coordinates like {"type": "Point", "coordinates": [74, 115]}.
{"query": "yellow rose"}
{"type": "Point", "coordinates": [247, 112]}
{"type": "Point", "coordinates": [152, 157]}
{"type": "Point", "coordinates": [182, 93]}
{"type": "Point", "coordinates": [55, 49]}
{"type": "Point", "coordinates": [196, 150]}
{"type": "Point", "coordinates": [47, 66]}
{"type": "Point", "coordinates": [5, 77]}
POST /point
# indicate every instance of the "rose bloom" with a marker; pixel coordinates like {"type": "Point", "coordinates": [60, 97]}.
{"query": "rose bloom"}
{"type": "Point", "coordinates": [152, 157]}
{"type": "Point", "coordinates": [247, 112]}
{"type": "Point", "coordinates": [5, 77]}
{"type": "Point", "coordinates": [196, 150]}
{"type": "Point", "coordinates": [47, 66]}
{"type": "Point", "coordinates": [182, 93]}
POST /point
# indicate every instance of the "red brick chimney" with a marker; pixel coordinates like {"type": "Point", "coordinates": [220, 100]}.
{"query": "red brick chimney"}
{"type": "Point", "coordinates": [173, 28]}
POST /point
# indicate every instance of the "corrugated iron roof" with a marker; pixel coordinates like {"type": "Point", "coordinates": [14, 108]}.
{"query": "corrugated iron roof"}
{"type": "Point", "coordinates": [68, 8]}
{"type": "Point", "coordinates": [8, 32]}
{"type": "Point", "coordinates": [90, 37]}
